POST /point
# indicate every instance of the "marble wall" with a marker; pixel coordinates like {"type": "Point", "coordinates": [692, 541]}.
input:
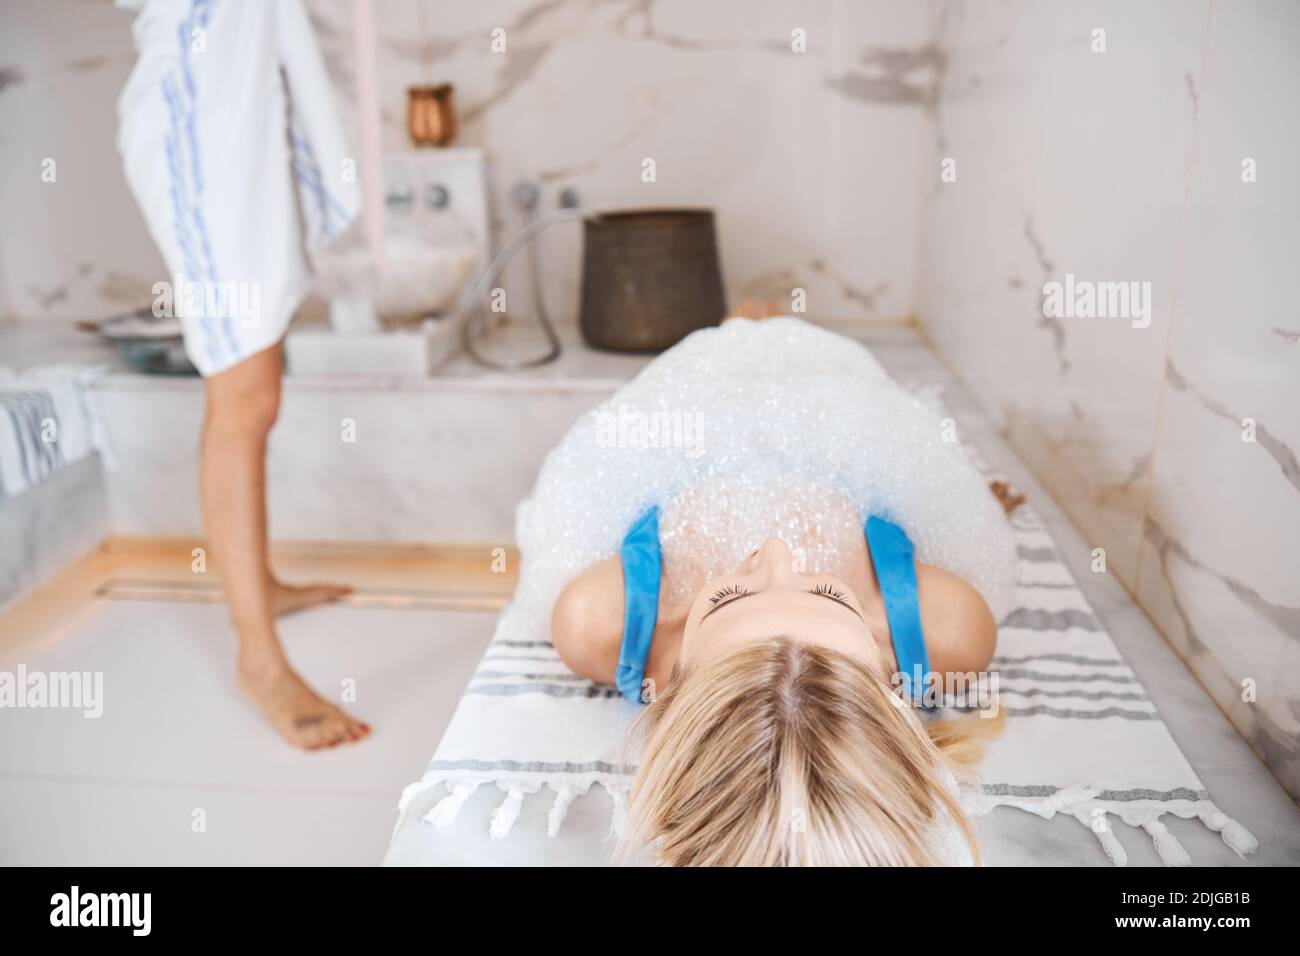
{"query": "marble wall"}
{"type": "Point", "coordinates": [811, 158]}
{"type": "Point", "coordinates": [409, 461]}
{"type": "Point", "coordinates": [1170, 433]}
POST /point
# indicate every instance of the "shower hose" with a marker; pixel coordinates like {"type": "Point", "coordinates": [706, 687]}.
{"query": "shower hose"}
{"type": "Point", "coordinates": [470, 306]}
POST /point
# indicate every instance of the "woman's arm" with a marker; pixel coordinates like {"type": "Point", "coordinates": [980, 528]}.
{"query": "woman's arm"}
{"type": "Point", "coordinates": [587, 622]}
{"type": "Point", "coordinates": [587, 626]}
{"type": "Point", "coordinates": [960, 632]}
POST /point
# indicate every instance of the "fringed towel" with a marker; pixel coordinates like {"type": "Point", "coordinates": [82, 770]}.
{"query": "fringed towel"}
{"type": "Point", "coordinates": [1082, 738]}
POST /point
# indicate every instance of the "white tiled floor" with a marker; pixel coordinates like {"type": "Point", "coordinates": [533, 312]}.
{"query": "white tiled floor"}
{"type": "Point", "coordinates": [176, 736]}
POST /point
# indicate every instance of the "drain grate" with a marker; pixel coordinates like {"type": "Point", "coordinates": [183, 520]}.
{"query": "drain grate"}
{"type": "Point", "coordinates": [203, 592]}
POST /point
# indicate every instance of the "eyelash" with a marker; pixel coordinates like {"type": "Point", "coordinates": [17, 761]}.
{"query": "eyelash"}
{"type": "Point", "coordinates": [727, 591]}
{"type": "Point", "coordinates": [827, 589]}
{"type": "Point", "coordinates": [830, 591]}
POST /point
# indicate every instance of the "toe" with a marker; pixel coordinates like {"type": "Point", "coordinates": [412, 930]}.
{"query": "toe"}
{"type": "Point", "coordinates": [317, 737]}
{"type": "Point", "coordinates": [338, 731]}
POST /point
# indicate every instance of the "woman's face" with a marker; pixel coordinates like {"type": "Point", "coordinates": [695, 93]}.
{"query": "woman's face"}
{"type": "Point", "coordinates": [765, 598]}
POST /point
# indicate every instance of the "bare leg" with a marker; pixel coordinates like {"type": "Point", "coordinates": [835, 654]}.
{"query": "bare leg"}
{"type": "Point", "coordinates": [242, 403]}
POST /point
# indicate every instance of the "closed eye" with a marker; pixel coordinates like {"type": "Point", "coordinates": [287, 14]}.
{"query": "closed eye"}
{"type": "Point", "coordinates": [727, 595]}
{"type": "Point", "coordinates": [718, 596]}
{"type": "Point", "coordinates": [832, 593]}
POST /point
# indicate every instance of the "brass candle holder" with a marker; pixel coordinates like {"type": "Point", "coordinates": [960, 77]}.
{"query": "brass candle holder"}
{"type": "Point", "coordinates": [430, 115]}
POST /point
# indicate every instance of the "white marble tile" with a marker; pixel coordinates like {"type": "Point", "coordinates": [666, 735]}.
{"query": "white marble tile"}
{"type": "Point", "coordinates": [175, 734]}
{"type": "Point", "coordinates": [1069, 161]}
{"type": "Point", "coordinates": [447, 467]}
{"type": "Point", "coordinates": [76, 246]}
{"type": "Point", "coordinates": [153, 479]}
{"type": "Point", "coordinates": [1127, 165]}
{"type": "Point", "coordinates": [139, 824]}
{"type": "Point", "coordinates": [426, 465]}
{"type": "Point", "coordinates": [1222, 539]}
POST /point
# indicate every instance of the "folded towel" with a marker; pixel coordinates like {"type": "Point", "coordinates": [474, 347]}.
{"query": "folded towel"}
{"type": "Point", "coordinates": [47, 422]}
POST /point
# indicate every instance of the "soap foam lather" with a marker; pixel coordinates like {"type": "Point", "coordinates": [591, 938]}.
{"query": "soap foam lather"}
{"type": "Point", "coordinates": [774, 428]}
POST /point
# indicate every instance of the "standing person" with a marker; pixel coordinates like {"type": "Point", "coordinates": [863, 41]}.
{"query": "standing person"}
{"type": "Point", "coordinates": [234, 153]}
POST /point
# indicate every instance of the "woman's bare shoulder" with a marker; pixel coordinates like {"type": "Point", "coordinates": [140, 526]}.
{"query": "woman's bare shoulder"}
{"type": "Point", "coordinates": [960, 632]}
{"type": "Point", "coordinates": [587, 621]}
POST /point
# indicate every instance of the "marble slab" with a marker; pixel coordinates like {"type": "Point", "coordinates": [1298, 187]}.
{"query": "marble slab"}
{"type": "Point", "coordinates": [51, 524]}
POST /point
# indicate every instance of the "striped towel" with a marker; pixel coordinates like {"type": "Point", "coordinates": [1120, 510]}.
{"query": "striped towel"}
{"type": "Point", "coordinates": [47, 422]}
{"type": "Point", "coordinates": [1082, 738]}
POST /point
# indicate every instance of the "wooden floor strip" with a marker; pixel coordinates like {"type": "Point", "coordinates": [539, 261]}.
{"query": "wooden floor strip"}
{"type": "Point", "coordinates": [434, 577]}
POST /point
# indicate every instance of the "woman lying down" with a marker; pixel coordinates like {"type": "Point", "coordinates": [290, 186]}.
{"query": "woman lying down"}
{"type": "Point", "coordinates": [801, 555]}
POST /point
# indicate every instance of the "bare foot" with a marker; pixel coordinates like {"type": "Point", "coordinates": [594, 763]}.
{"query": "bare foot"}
{"type": "Point", "coordinates": [302, 716]}
{"type": "Point", "coordinates": [754, 309]}
{"type": "Point", "coordinates": [287, 598]}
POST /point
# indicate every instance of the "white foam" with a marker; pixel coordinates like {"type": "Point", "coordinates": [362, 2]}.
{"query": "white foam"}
{"type": "Point", "coordinates": [759, 429]}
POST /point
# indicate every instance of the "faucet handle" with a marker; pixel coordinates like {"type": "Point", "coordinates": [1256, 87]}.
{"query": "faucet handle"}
{"type": "Point", "coordinates": [436, 196]}
{"type": "Point", "coordinates": [400, 198]}
{"type": "Point", "coordinates": [526, 196]}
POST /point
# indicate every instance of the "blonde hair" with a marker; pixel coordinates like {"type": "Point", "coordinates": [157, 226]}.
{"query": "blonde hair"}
{"type": "Point", "coordinates": [786, 753]}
